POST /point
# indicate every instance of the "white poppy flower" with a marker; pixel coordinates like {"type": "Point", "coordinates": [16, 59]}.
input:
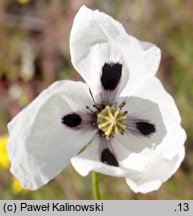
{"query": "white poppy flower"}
{"type": "Point", "coordinates": [121, 122]}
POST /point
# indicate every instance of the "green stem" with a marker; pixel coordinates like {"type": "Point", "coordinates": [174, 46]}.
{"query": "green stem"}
{"type": "Point", "coordinates": [95, 185]}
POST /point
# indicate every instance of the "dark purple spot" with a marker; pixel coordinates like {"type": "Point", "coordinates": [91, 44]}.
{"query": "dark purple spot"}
{"type": "Point", "coordinates": [111, 74]}
{"type": "Point", "coordinates": [145, 128]}
{"type": "Point", "coordinates": [71, 120]}
{"type": "Point", "coordinates": [108, 158]}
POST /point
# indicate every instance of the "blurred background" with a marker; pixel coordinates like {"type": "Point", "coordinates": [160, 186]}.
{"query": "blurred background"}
{"type": "Point", "coordinates": [34, 52]}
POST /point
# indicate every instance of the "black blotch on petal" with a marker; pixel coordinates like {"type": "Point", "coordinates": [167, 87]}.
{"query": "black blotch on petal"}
{"type": "Point", "coordinates": [145, 128]}
{"type": "Point", "coordinates": [111, 74]}
{"type": "Point", "coordinates": [108, 158]}
{"type": "Point", "coordinates": [71, 120]}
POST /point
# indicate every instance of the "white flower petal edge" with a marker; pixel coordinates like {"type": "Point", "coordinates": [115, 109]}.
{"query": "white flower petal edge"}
{"type": "Point", "coordinates": [40, 146]}
{"type": "Point", "coordinates": [91, 31]}
{"type": "Point", "coordinates": [155, 174]}
{"type": "Point", "coordinates": [147, 170]}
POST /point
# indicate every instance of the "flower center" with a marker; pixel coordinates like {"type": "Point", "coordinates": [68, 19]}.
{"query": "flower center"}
{"type": "Point", "coordinates": [111, 120]}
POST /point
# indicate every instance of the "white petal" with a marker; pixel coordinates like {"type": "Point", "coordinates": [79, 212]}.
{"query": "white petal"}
{"type": "Point", "coordinates": [151, 56]}
{"type": "Point", "coordinates": [89, 160]}
{"type": "Point", "coordinates": [169, 139]}
{"type": "Point", "coordinates": [146, 172]}
{"type": "Point", "coordinates": [153, 158]}
{"type": "Point", "coordinates": [155, 174]}
{"type": "Point", "coordinates": [97, 38]}
{"type": "Point", "coordinates": [40, 146]}
{"type": "Point", "coordinates": [128, 159]}
{"type": "Point", "coordinates": [140, 109]}
{"type": "Point", "coordinates": [93, 63]}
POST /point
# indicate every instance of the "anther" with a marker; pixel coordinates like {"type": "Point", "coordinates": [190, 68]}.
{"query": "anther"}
{"type": "Point", "coordinates": [122, 132]}
{"type": "Point", "coordinates": [122, 105]}
{"type": "Point", "coordinates": [97, 106]}
{"type": "Point", "coordinates": [87, 107]}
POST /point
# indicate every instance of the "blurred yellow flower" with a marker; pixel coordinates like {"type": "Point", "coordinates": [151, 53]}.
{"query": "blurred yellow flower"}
{"type": "Point", "coordinates": [16, 186]}
{"type": "Point", "coordinates": [23, 1]}
{"type": "Point", "coordinates": [5, 163]}
{"type": "Point", "coordinates": [4, 160]}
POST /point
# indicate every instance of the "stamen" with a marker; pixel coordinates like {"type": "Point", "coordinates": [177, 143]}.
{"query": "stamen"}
{"type": "Point", "coordinates": [98, 107]}
{"type": "Point", "coordinates": [122, 105]}
{"type": "Point", "coordinates": [87, 107]}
